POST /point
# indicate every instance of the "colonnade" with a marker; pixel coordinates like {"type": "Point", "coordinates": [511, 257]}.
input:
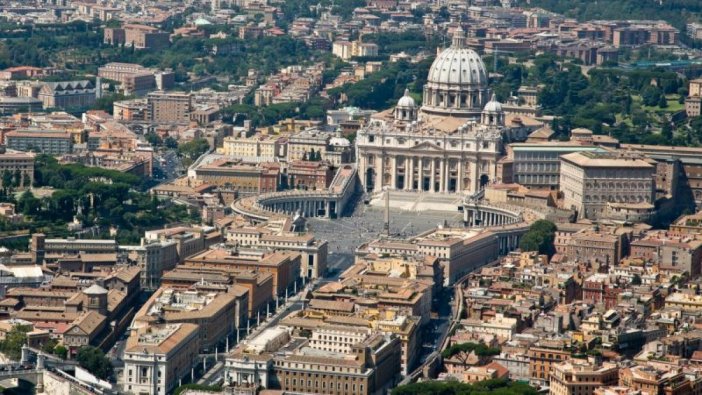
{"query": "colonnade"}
{"type": "Point", "coordinates": [424, 173]}
{"type": "Point", "coordinates": [308, 208]}
{"type": "Point", "coordinates": [486, 218]}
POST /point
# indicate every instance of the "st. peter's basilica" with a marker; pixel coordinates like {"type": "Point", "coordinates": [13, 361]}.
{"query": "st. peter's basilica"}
{"type": "Point", "coordinates": [451, 144]}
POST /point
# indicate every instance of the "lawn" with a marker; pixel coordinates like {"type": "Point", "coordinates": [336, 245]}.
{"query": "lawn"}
{"type": "Point", "coordinates": [673, 105]}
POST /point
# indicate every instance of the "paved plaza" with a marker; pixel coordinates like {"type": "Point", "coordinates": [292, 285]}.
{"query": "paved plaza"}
{"type": "Point", "coordinates": [410, 214]}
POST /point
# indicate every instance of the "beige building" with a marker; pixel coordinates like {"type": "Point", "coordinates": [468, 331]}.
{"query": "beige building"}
{"type": "Point", "coordinates": [257, 148]}
{"type": "Point", "coordinates": [500, 326]}
{"type": "Point", "coordinates": [157, 357]}
{"type": "Point", "coordinates": [582, 377]}
{"type": "Point", "coordinates": [274, 360]}
{"type": "Point", "coordinates": [684, 301]}
{"type": "Point", "coordinates": [459, 250]}
{"type": "Point", "coordinates": [134, 78]}
{"type": "Point", "coordinates": [589, 180]}
{"type": "Point", "coordinates": [693, 102]}
{"type": "Point", "coordinates": [50, 142]}
{"type": "Point", "coordinates": [245, 178]}
{"type": "Point", "coordinates": [216, 314]}
{"type": "Point", "coordinates": [18, 164]}
{"type": "Point", "coordinates": [349, 49]}
{"type": "Point", "coordinates": [169, 107]}
{"type": "Point", "coordinates": [313, 252]}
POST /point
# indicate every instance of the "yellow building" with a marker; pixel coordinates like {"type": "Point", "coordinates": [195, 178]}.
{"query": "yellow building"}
{"type": "Point", "coordinates": [582, 377]}
{"type": "Point", "coordinates": [685, 302]}
{"type": "Point", "coordinates": [256, 148]}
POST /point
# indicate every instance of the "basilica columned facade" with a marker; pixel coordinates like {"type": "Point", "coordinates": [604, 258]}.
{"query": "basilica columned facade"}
{"type": "Point", "coordinates": [449, 145]}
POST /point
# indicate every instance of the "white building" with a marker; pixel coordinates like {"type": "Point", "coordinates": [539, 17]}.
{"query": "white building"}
{"type": "Point", "coordinates": [157, 357]}
{"type": "Point", "coordinates": [449, 145]}
{"type": "Point", "coordinates": [500, 326]}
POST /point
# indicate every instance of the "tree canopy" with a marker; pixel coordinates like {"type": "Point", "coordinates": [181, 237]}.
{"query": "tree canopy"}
{"type": "Point", "coordinates": [104, 197]}
{"type": "Point", "coordinates": [14, 340]}
{"type": "Point", "coordinates": [94, 360]}
{"type": "Point", "coordinates": [539, 237]}
{"type": "Point", "coordinates": [480, 350]}
{"type": "Point", "coordinates": [492, 387]}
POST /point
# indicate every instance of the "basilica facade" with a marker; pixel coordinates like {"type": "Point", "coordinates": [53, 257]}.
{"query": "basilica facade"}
{"type": "Point", "coordinates": [451, 144]}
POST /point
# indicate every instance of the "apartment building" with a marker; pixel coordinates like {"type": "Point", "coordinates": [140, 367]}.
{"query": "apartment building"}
{"type": "Point", "coordinates": [169, 107]}
{"type": "Point", "coordinates": [257, 148]}
{"type": "Point", "coordinates": [13, 105]}
{"type": "Point", "coordinates": [582, 377]}
{"type": "Point", "coordinates": [538, 165]}
{"type": "Point", "coordinates": [50, 142]}
{"type": "Point", "coordinates": [153, 259]}
{"type": "Point", "coordinates": [284, 266]}
{"type": "Point", "coordinates": [459, 250]}
{"type": "Point", "coordinates": [542, 359]}
{"type": "Point", "coordinates": [130, 110]}
{"type": "Point", "coordinates": [276, 360]}
{"type": "Point", "coordinates": [137, 36]}
{"type": "Point", "coordinates": [670, 252]}
{"type": "Point", "coordinates": [259, 286]}
{"type": "Point", "coordinates": [134, 79]}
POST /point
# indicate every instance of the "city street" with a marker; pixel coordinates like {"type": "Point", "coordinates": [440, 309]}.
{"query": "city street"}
{"type": "Point", "coordinates": [344, 235]}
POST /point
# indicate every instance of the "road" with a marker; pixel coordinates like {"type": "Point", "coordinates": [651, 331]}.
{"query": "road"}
{"type": "Point", "coordinates": [167, 165]}
{"type": "Point", "coordinates": [344, 235]}
{"type": "Point", "coordinates": [215, 372]}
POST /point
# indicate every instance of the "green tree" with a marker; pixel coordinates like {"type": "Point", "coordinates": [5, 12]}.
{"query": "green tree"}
{"type": "Point", "coordinates": [480, 349]}
{"type": "Point", "coordinates": [636, 279]}
{"type": "Point", "coordinates": [48, 346]}
{"type": "Point", "coordinates": [28, 204]}
{"type": "Point", "coordinates": [170, 142]}
{"type": "Point", "coordinates": [61, 351]}
{"type": "Point", "coordinates": [94, 360]}
{"type": "Point", "coordinates": [539, 237]}
{"type": "Point", "coordinates": [6, 178]}
{"type": "Point", "coordinates": [193, 149]}
{"type": "Point", "coordinates": [153, 139]}
{"type": "Point", "coordinates": [496, 387]}
{"type": "Point", "coordinates": [14, 340]}
{"type": "Point", "coordinates": [650, 96]}
{"type": "Point", "coordinates": [662, 101]}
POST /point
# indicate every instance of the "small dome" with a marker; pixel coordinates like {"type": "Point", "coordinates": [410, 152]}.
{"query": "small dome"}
{"type": "Point", "coordinates": [95, 290]}
{"type": "Point", "coordinates": [493, 105]}
{"type": "Point", "coordinates": [339, 142]}
{"type": "Point", "coordinates": [406, 101]}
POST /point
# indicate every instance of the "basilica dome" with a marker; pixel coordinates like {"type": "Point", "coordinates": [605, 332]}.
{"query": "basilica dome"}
{"type": "Point", "coordinates": [458, 66]}
{"type": "Point", "coordinates": [457, 84]}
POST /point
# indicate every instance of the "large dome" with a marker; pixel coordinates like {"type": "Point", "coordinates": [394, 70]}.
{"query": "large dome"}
{"type": "Point", "coordinates": [458, 66]}
{"type": "Point", "coordinates": [457, 84]}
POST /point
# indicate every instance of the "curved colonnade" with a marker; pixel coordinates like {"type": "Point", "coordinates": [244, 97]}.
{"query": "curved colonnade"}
{"type": "Point", "coordinates": [329, 203]}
